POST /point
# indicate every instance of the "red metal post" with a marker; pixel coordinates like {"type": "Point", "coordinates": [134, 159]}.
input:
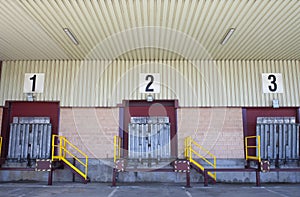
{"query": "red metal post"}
{"type": "Point", "coordinates": [205, 178]}
{"type": "Point", "coordinates": [50, 175]}
{"type": "Point", "coordinates": [114, 177]}
{"type": "Point", "coordinates": [258, 178]}
{"type": "Point", "coordinates": [188, 179]}
{"type": "Point", "coordinates": [74, 163]}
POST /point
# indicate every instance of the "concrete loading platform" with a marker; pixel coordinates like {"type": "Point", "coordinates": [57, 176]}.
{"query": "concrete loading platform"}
{"type": "Point", "coordinates": [17, 189]}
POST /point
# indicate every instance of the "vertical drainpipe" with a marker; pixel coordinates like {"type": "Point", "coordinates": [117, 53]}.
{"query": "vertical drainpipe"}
{"type": "Point", "coordinates": [298, 121]}
{"type": "Point", "coordinates": [0, 70]}
{"type": "Point", "coordinates": [245, 129]}
{"type": "Point", "coordinates": [1, 153]}
{"type": "Point", "coordinates": [297, 116]}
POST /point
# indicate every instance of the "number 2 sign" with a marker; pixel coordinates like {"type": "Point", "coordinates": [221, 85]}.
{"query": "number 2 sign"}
{"type": "Point", "coordinates": [34, 83]}
{"type": "Point", "coordinates": [272, 83]}
{"type": "Point", "coordinates": [149, 83]}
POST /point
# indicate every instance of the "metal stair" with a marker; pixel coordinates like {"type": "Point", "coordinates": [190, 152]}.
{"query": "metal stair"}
{"type": "Point", "coordinates": [195, 153]}
{"type": "Point", "coordinates": [64, 151]}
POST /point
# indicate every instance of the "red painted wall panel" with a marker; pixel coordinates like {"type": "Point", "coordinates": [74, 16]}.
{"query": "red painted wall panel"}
{"type": "Point", "coordinates": [253, 113]}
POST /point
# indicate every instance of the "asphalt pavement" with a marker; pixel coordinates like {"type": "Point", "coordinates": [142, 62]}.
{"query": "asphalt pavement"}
{"type": "Point", "coordinates": [65, 189]}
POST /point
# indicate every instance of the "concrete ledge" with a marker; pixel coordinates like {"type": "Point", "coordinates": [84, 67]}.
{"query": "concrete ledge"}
{"type": "Point", "coordinates": [100, 170]}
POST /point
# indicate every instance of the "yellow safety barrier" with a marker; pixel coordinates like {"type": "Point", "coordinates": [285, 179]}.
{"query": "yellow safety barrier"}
{"type": "Point", "coordinates": [189, 151]}
{"type": "Point", "coordinates": [0, 145]}
{"type": "Point", "coordinates": [61, 151]}
{"type": "Point", "coordinates": [257, 147]}
{"type": "Point", "coordinates": [117, 148]}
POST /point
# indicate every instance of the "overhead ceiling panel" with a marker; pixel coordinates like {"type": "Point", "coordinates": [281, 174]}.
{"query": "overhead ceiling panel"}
{"type": "Point", "coordinates": [22, 38]}
{"type": "Point", "coordinates": [158, 29]}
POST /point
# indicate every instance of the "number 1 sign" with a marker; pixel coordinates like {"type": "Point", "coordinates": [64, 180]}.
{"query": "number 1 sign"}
{"type": "Point", "coordinates": [149, 83]}
{"type": "Point", "coordinates": [272, 83]}
{"type": "Point", "coordinates": [34, 83]}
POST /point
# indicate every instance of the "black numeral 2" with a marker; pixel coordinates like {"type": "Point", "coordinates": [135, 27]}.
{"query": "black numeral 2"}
{"type": "Point", "coordinates": [148, 89]}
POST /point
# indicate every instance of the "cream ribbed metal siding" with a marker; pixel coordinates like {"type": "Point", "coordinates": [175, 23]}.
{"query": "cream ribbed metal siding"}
{"type": "Point", "coordinates": [193, 83]}
{"type": "Point", "coordinates": [244, 82]}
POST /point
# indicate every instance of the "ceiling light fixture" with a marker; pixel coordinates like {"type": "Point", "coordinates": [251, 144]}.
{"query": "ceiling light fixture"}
{"type": "Point", "coordinates": [71, 36]}
{"type": "Point", "coordinates": [227, 36]}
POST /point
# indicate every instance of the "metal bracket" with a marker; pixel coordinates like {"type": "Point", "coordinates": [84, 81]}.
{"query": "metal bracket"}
{"type": "Point", "coordinates": [43, 165]}
{"type": "Point", "coordinates": [265, 166]}
{"type": "Point", "coordinates": [181, 166]}
{"type": "Point", "coordinates": [120, 165]}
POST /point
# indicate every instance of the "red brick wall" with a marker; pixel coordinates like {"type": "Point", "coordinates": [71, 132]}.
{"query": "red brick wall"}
{"type": "Point", "coordinates": [90, 129]}
{"type": "Point", "coordinates": [220, 130]}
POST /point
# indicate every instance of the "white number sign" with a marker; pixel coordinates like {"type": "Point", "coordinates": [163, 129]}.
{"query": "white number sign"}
{"type": "Point", "coordinates": [149, 83]}
{"type": "Point", "coordinates": [272, 83]}
{"type": "Point", "coordinates": [34, 83]}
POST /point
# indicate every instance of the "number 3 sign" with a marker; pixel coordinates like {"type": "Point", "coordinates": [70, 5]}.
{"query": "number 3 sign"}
{"type": "Point", "coordinates": [34, 82]}
{"type": "Point", "coordinates": [149, 83]}
{"type": "Point", "coordinates": [272, 83]}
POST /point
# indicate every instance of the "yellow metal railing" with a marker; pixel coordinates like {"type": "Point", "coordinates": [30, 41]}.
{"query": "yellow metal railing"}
{"type": "Point", "coordinates": [117, 148]}
{"type": "Point", "coordinates": [0, 145]}
{"type": "Point", "coordinates": [189, 152]}
{"type": "Point", "coordinates": [61, 149]}
{"type": "Point", "coordinates": [257, 148]}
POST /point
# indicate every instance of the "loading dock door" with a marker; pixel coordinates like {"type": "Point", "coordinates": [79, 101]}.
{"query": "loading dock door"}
{"type": "Point", "coordinates": [279, 138]}
{"type": "Point", "coordinates": [144, 109]}
{"type": "Point", "coordinates": [149, 138]}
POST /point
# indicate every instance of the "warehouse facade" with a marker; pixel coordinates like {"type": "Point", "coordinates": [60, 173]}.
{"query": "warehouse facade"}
{"type": "Point", "coordinates": [151, 73]}
{"type": "Point", "coordinates": [210, 98]}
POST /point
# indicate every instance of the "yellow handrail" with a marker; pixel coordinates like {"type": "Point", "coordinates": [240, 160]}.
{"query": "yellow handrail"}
{"type": "Point", "coordinates": [257, 147]}
{"type": "Point", "coordinates": [189, 151]}
{"type": "Point", "coordinates": [60, 151]}
{"type": "Point", "coordinates": [56, 148]}
{"type": "Point", "coordinates": [0, 145]}
{"type": "Point", "coordinates": [117, 148]}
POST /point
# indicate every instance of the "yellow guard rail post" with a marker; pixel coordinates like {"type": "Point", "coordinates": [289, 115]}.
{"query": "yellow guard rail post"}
{"type": "Point", "coordinates": [189, 151]}
{"type": "Point", "coordinates": [257, 147]}
{"type": "Point", "coordinates": [117, 148]}
{"type": "Point", "coordinates": [61, 149]}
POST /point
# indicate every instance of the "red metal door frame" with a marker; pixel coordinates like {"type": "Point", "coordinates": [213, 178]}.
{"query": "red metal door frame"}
{"type": "Point", "coordinates": [27, 109]}
{"type": "Point", "coordinates": [131, 108]}
{"type": "Point", "coordinates": [251, 113]}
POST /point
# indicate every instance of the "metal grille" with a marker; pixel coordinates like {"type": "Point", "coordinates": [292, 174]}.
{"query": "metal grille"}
{"type": "Point", "coordinates": [149, 137]}
{"type": "Point", "coordinates": [279, 138]}
{"type": "Point", "coordinates": [29, 140]}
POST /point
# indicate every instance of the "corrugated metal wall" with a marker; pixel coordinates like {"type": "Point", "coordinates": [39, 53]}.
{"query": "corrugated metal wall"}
{"type": "Point", "coordinates": [194, 83]}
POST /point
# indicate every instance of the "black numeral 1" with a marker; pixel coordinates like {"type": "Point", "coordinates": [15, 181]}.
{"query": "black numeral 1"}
{"type": "Point", "coordinates": [33, 78]}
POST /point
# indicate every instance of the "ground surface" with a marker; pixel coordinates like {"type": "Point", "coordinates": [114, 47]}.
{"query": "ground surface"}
{"type": "Point", "coordinates": [34, 189]}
